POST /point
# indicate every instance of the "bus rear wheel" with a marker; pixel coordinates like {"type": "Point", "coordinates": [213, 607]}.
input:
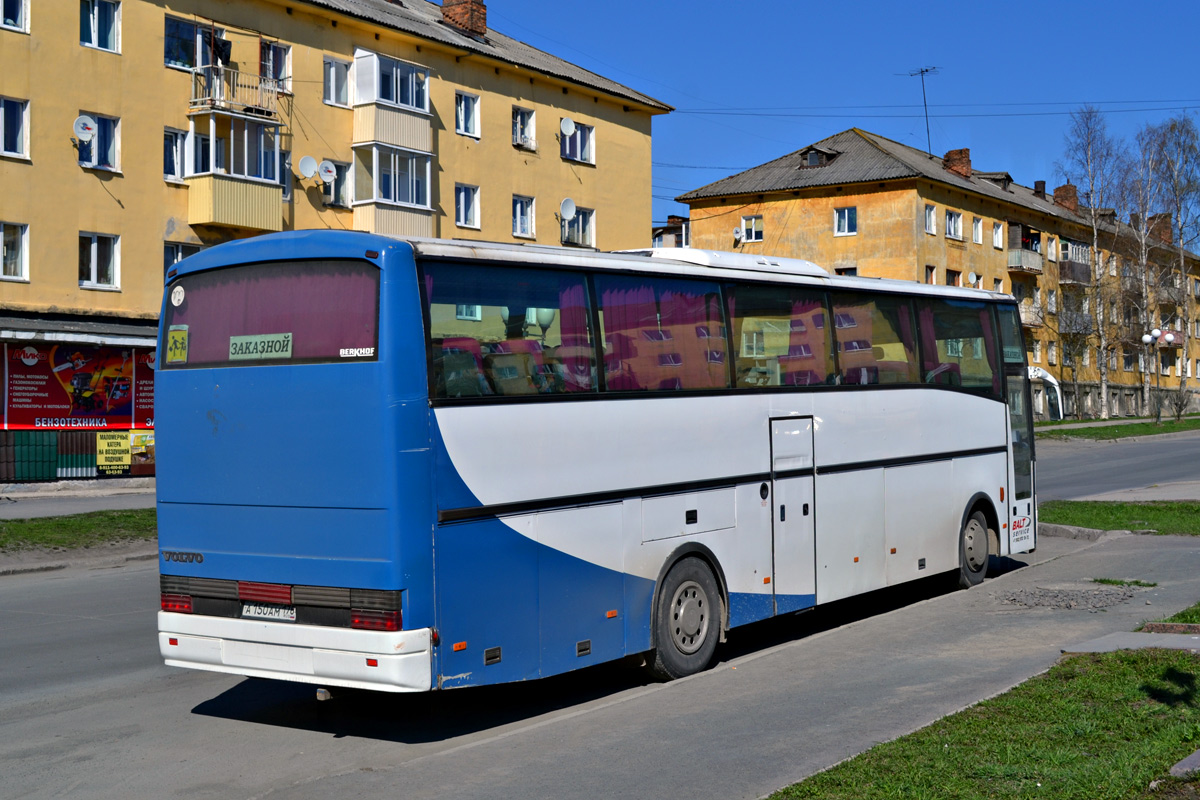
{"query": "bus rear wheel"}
{"type": "Point", "coordinates": [973, 543]}
{"type": "Point", "coordinates": [687, 621]}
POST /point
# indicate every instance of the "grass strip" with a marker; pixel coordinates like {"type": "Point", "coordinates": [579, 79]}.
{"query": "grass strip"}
{"type": "Point", "coordinates": [1161, 516]}
{"type": "Point", "coordinates": [78, 530]}
{"type": "Point", "coordinates": [1095, 726]}
{"type": "Point", "coordinates": [1120, 431]}
{"type": "Point", "coordinates": [1125, 582]}
{"type": "Point", "coordinates": [1189, 616]}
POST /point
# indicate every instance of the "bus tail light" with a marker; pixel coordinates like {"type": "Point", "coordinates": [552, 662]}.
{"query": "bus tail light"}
{"type": "Point", "coordinates": [368, 620]}
{"type": "Point", "coordinates": [179, 603]}
{"type": "Point", "coordinates": [279, 593]}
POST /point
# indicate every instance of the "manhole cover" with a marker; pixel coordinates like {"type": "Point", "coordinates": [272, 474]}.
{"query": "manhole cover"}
{"type": "Point", "coordinates": [1089, 599]}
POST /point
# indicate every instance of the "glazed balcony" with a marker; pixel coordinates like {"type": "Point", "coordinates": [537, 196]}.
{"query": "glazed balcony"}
{"type": "Point", "coordinates": [219, 88]}
{"type": "Point", "coordinates": [1025, 262]}
{"type": "Point", "coordinates": [235, 202]}
{"type": "Point", "coordinates": [1031, 315]}
{"type": "Point", "coordinates": [1074, 272]}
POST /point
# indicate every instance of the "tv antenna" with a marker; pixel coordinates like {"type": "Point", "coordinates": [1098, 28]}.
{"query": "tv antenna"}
{"type": "Point", "coordinates": [923, 71]}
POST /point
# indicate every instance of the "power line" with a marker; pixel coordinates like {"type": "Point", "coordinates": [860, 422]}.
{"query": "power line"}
{"type": "Point", "coordinates": [777, 114]}
{"type": "Point", "coordinates": [692, 166]}
{"type": "Point", "coordinates": [1074, 103]}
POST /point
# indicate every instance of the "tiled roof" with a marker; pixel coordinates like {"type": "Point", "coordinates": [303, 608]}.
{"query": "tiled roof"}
{"type": "Point", "coordinates": [424, 19]}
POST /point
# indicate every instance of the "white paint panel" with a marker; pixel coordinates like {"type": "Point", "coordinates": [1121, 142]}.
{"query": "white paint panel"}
{"type": "Point", "coordinates": [666, 517]}
{"type": "Point", "coordinates": [791, 444]}
{"type": "Point", "coordinates": [592, 533]}
{"type": "Point", "coordinates": [849, 526]}
{"type": "Point", "coordinates": [922, 516]}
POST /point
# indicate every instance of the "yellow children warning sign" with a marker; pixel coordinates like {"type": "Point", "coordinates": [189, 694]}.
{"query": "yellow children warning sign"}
{"type": "Point", "coordinates": [113, 453]}
{"type": "Point", "coordinates": [177, 344]}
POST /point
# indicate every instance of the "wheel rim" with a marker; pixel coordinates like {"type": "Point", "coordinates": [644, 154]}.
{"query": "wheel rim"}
{"type": "Point", "coordinates": [689, 617]}
{"type": "Point", "coordinates": [975, 545]}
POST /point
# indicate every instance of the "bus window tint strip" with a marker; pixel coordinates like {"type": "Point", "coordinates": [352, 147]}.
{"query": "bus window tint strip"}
{"type": "Point", "coordinates": [298, 312]}
{"type": "Point", "coordinates": [531, 332]}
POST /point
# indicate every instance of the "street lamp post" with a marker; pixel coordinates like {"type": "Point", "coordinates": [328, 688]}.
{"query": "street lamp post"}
{"type": "Point", "coordinates": [1151, 341]}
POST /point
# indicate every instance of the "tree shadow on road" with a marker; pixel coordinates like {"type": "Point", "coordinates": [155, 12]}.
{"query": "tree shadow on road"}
{"type": "Point", "coordinates": [441, 716]}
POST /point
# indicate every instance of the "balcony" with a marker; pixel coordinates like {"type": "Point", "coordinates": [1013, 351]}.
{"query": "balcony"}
{"type": "Point", "coordinates": [218, 88]}
{"type": "Point", "coordinates": [393, 125]}
{"type": "Point", "coordinates": [215, 199]}
{"type": "Point", "coordinates": [1025, 261]}
{"type": "Point", "coordinates": [1075, 322]}
{"type": "Point", "coordinates": [1031, 315]}
{"type": "Point", "coordinates": [1074, 272]}
{"type": "Point", "coordinates": [392, 220]}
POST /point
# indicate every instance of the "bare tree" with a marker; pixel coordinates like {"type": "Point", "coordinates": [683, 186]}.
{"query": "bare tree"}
{"type": "Point", "coordinates": [1090, 158]}
{"type": "Point", "coordinates": [1179, 172]}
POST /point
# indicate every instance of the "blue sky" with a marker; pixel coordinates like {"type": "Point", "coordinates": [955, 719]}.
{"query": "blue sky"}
{"type": "Point", "coordinates": [785, 73]}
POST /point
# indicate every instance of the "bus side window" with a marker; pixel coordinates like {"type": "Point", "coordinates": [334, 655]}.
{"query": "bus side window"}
{"type": "Point", "coordinates": [508, 331]}
{"type": "Point", "coordinates": [661, 334]}
{"type": "Point", "coordinates": [780, 337]}
{"type": "Point", "coordinates": [958, 345]}
{"type": "Point", "coordinates": [876, 343]}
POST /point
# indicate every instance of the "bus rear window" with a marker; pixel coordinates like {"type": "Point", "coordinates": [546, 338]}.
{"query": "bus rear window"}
{"type": "Point", "coordinates": [304, 312]}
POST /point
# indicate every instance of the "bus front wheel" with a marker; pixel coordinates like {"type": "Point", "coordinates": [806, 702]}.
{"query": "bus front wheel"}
{"type": "Point", "coordinates": [687, 621]}
{"type": "Point", "coordinates": [973, 550]}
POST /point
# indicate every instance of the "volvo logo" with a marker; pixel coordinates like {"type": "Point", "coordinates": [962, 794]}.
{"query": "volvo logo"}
{"type": "Point", "coordinates": [183, 558]}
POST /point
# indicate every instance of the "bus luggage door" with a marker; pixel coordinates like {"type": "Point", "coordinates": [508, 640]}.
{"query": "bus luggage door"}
{"type": "Point", "coordinates": [793, 514]}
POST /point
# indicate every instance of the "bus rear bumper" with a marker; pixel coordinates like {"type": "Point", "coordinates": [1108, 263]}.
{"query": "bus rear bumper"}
{"type": "Point", "coordinates": [398, 661]}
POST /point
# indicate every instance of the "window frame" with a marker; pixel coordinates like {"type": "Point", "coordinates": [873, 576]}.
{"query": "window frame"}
{"type": "Point", "coordinates": [23, 133]}
{"type": "Point", "coordinates": [402, 71]}
{"type": "Point", "coordinates": [845, 221]}
{"type": "Point", "coordinates": [585, 144]}
{"type": "Point", "coordinates": [92, 283]}
{"type": "Point", "coordinates": [466, 215]}
{"type": "Point", "coordinates": [199, 56]}
{"type": "Point", "coordinates": [954, 225]}
{"type": "Point", "coordinates": [377, 172]}
{"type": "Point", "coordinates": [753, 232]}
{"type": "Point", "coordinates": [585, 222]}
{"type": "Point", "coordinates": [22, 20]}
{"type": "Point", "coordinates": [998, 235]}
{"type": "Point", "coordinates": [931, 219]}
{"type": "Point", "coordinates": [345, 173]}
{"type": "Point", "coordinates": [177, 253]}
{"type": "Point", "coordinates": [94, 22]}
{"type": "Point", "coordinates": [179, 149]}
{"type": "Point", "coordinates": [266, 48]}
{"type": "Point", "coordinates": [977, 230]}
{"type": "Point", "coordinates": [467, 115]}
{"type": "Point", "coordinates": [329, 82]}
{"type": "Point", "coordinates": [22, 230]}
{"type": "Point", "coordinates": [93, 145]}
{"type": "Point", "coordinates": [524, 128]}
{"type": "Point", "coordinates": [531, 215]}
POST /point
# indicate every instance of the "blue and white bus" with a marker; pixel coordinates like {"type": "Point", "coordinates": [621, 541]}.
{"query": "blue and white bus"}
{"type": "Point", "coordinates": [408, 465]}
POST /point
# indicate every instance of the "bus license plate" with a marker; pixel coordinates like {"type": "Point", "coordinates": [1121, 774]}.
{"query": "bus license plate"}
{"type": "Point", "coordinates": [264, 611]}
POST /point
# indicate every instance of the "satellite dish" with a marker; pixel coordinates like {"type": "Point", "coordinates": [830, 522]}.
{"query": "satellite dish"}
{"type": "Point", "coordinates": [567, 126]}
{"type": "Point", "coordinates": [308, 166]}
{"type": "Point", "coordinates": [567, 209]}
{"type": "Point", "coordinates": [84, 127]}
{"type": "Point", "coordinates": [327, 171]}
{"type": "Point", "coordinates": [973, 278]}
{"type": "Point", "coordinates": [737, 234]}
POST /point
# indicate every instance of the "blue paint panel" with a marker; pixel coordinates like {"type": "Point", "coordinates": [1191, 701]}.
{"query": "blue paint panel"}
{"type": "Point", "coordinates": [575, 596]}
{"type": "Point", "coordinates": [638, 612]}
{"type": "Point", "coordinates": [745, 607]}
{"type": "Point", "coordinates": [787, 603]}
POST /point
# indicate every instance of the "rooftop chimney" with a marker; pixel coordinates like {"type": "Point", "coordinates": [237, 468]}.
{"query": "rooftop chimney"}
{"type": "Point", "coordinates": [1039, 190]}
{"type": "Point", "coordinates": [466, 15]}
{"type": "Point", "coordinates": [1160, 228]}
{"type": "Point", "coordinates": [958, 162]}
{"type": "Point", "coordinates": [1067, 196]}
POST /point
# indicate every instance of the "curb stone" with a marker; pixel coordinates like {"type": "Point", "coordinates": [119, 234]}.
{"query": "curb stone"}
{"type": "Point", "coordinates": [57, 563]}
{"type": "Point", "coordinates": [1073, 532]}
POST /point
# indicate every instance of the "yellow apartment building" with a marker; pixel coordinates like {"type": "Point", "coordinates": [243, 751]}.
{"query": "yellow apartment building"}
{"type": "Point", "coordinates": [860, 204]}
{"type": "Point", "coordinates": [411, 118]}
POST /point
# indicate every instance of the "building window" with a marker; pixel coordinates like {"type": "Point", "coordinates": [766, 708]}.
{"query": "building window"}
{"type": "Point", "coordinates": [847, 272]}
{"type": "Point", "coordinates": [99, 24]}
{"type": "Point", "coordinates": [1052, 301]}
{"type": "Point", "coordinates": [578, 146]}
{"type": "Point", "coordinates": [954, 224]}
{"type": "Point", "coordinates": [14, 116]}
{"type": "Point", "coordinates": [1087, 356]}
{"type": "Point", "coordinates": [1053, 355]}
{"type": "Point", "coordinates": [285, 174]}
{"type": "Point", "coordinates": [930, 274]}
{"type": "Point", "coordinates": [845, 221]}
{"type": "Point", "coordinates": [1037, 351]}
{"type": "Point", "coordinates": [99, 261]}
{"type": "Point", "coordinates": [403, 84]}
{"type": "Point", "coordinates": [14, 15]}
{"type": "Point", "coordinates": [173, 141]}
{"type": "Point", "coordinates": [188, 45]}
{"type": "Point", "coordinates": [1127, 360]}
{"type": "Point", "coordinates": [466, 206]}
{"type": "Point", "coordinates": [580, 229]}
{"type": "Point", "coordinates": [275, 62]}
{"type": "Point", "coordinates": [14, 254]}
{"type": "Point", "coordinates": [1051, 249]}
{"type": "Point", "coordinates": [523, 129]}
{"type": "Point", "coordinates": [930, 219]}
{"type": "Point", "coordinates": [103, 151]}
{"type": "Point", "coordinates": [522, 216]}
{"type": "Point", "coordinates": [337, 191]}
{"type": "Point", "coordinates": [998, 285]}
{"type": "Point", "coordinates": [337, 82]}
{"type": "Point", "coordinates": [389, 175]}
{"type": "Point", "coordinates": [466, 114]}
{"type": "Point", "coordinates": [953, 277]}
{"type": "Point", "coordinates": [174, 253]}
{"type": "Point", "coordinates": [998, 235]}
{"type": "Point", "coordinates": [202, 156]}
{"type": "Point", "coordinates": [977, 230]}
{"type": "Point", "coordinates": [752, 228]}
{"type": "Point", "coordinates": [473, 313]}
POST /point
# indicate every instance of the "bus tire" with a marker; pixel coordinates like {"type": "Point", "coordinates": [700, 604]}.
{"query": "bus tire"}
{"type": "Point", "coordinates": [687, 621]}
{"type": "Point", "coordinates": [973, 547]}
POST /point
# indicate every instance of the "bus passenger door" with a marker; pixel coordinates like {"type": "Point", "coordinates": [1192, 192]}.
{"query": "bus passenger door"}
{"type": "Point", "coordinates": [793, 514]}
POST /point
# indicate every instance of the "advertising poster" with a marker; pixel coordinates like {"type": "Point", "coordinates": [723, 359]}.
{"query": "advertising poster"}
{"type": "Point", "coordinates": [114, 454]}
{"type": "Point", "coordinates": [143, 388]}
{"type": "Point", "coordinates": [72, 386]}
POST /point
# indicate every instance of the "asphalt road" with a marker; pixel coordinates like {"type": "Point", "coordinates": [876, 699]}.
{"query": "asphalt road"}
{"type": "Point", "coordinates": [89, 711]}
{"type": "Point", "coordinates": [52, 505]}
{"type": "Point", "coordinates": [1070, 470]}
